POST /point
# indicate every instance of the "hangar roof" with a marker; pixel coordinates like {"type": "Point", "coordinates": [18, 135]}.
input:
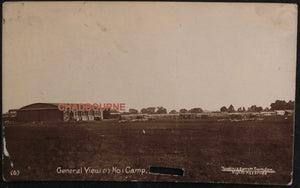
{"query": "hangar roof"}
{"type": "Point", "coordinates": [40, 106]}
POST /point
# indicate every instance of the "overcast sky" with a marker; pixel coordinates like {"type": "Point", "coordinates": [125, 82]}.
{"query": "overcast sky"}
{"type": "Point", "coordinates": [176, 55]}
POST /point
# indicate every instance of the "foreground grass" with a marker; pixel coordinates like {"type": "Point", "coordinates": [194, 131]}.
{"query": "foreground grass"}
{"type": "Point", "coordinates": [199, 147]}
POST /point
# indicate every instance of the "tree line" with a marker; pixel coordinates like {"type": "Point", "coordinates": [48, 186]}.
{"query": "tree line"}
{"type": "Point", "coordinates": [162, 110]}
{"type": "Point", "coordinates": [277, 105]}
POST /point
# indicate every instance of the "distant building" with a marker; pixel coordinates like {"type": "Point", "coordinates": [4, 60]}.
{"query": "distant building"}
{"type": "Point", "coordinates": [280, 112]}
{"type": "Point", "coordinates": [114, 116]}
{"type": "Point", "coordinates": [268, 113]}
{"type": "Point", "coordinates": [10, 116]}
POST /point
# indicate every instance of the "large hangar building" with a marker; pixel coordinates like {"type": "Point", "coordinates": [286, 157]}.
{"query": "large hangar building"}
{"type": "Point", "coordinates": [40, 112]}
{"type": "Point", "coordinates": [51, 112]}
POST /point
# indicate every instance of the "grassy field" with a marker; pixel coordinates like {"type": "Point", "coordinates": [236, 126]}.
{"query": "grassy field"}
{"type": "Point", "coordinates": [199, 147]}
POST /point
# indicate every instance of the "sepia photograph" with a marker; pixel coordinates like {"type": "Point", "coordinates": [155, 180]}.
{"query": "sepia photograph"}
{"type": "Point", "coordinates": [149, 91]}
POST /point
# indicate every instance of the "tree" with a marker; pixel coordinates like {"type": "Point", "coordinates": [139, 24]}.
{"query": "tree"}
{"type": "Point", "coordinates": [196, 110]}
{"type": "Point", "coordinates": [183, 111]}
{"type": "Point", "coordinates": [252, 108]}
{"type": "Point", "coordinates": [161, 110]}
{"type": "Point", "coordinates": [240, 109]}
{"type": "Point", "coordinates": [173, 112]}
{"type": "Point", "coordinates": [291, 105]}
{"type": "Point", "coordinates": [143, 110]}
{"type": "Point", "coordinates": [133, 111]}
{"type": "Point", "coordinates": [223, 109]}
{"type": "Point", "coordinates": [255, 108]}
{"type": "Point", "coordinates": [282, 105]}
{"type": "Point", "coordinates": [244, 110]}
{"type": "Point", "coordinates": [149, 110]}
{"type": "Point", "coordinates": [259, 109]}
{"type": "Point", "coordinates": [278, 105]}
{"type": "Point", "coordinates": [231, 108]}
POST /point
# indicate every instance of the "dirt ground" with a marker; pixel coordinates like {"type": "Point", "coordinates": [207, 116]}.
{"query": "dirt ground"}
{"type": "Point", "coordinates": [201, 148]}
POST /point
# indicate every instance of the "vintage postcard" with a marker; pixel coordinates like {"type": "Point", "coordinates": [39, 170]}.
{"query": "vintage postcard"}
{"type": "Point", "coordinates": [149, 91]}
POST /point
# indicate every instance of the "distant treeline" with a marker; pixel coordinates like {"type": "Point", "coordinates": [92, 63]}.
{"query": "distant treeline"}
{"type": "Point", "coordinates": [277, 105]}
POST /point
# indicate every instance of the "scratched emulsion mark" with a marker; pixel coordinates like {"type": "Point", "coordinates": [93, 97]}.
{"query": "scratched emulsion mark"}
{"type": "Point", "coordinates": [5, 152]}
